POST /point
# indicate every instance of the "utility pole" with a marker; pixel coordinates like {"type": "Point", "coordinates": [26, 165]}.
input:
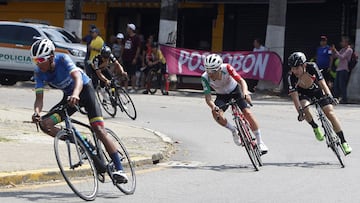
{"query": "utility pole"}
{"type": "Point", "coordinates": [72, 20]}
{"type": "Point", "coordinates": [275, 35]}
{"type": "Point", "coordinates": [353, 88]}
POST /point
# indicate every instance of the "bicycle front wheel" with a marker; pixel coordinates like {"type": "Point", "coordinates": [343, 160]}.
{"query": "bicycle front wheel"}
{"type": "Point", "coordinates": [128, 166]}
{"type": "Point", "coordinates": [105, 100]}
{"type": "Point", "coordinates": [332, 140]}
{"type": "Point", "coordinates": [248, 144]}
{"type": "Point", "coordinates": [76, 166]}
{"type": "Point", "coordinates": [126, 104]}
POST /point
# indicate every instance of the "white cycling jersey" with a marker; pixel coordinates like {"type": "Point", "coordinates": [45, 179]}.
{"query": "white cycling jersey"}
{"type": "Point", "coordinates": [227, 83]}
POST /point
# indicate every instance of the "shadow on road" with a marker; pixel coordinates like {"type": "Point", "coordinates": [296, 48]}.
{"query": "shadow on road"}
{"type": "Point", "coordinates": [310, 165]}
{"type": "Point", "coordinates": [35, 196]}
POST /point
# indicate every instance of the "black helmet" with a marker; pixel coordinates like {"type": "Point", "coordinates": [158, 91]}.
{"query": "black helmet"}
{"type": "Point", "coordinates": [296, 59]}
{"type": "Point", "coordinates": [105, 52]}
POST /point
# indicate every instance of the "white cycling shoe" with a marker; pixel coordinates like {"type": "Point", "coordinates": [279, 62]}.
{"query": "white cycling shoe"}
{"type": "Point", "coordinates": [236, 138]}
{"type": "Point", "coordinates": [263, 148]}
{"type": "Point", "coordinates": [120, 177]}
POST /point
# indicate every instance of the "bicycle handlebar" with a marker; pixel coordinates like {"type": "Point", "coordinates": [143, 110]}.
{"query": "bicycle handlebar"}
{"type": "Point", "coordinates": [233, 101]}
{"type": "Point", "coordinates": [315, 101]}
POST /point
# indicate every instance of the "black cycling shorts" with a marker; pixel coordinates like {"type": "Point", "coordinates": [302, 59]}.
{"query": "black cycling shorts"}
{"type": "Point", "coordinates": [87, 100]}
{"type": "Point", "coordinates": [318, 95]}
{"type": "Point", "coordinates": [222, 99]}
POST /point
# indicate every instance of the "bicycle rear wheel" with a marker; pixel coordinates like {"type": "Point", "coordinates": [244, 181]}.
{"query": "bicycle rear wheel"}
{"type": "Point", "coordinates": [76, 166]}
{"type": "Point", "coordinates": [129, 167]}
{"type": "Point", "coordinates": [153, 81]}
{"type": "Point", "coordinates": [125, 103]}
{"type": "Point", "coordinates": [244, 132]}
{"type": "Point", "coordinates": [105, 101]}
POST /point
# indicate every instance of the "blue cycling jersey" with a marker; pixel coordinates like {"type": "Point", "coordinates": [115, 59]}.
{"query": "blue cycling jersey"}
{"type": "Point", "coordinates": [60, 78]}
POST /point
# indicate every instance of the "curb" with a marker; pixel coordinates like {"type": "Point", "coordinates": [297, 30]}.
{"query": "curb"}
{"type": "Point", "coordinates": [11, 179]}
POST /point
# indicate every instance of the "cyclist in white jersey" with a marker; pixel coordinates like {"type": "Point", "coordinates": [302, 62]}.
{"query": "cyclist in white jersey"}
{"type": "Point", "coordinates": [228, 84]}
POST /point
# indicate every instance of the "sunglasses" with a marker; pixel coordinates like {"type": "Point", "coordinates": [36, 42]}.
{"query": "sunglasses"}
{"type": "Point", "coordinates": [40, 60]}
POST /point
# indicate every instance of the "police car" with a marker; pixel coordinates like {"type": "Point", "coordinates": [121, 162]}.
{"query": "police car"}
{"type": "Point", "coordinates": [16, 40]}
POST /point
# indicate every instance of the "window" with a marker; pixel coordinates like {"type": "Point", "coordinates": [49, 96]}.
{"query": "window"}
{"type": "Point", "coordinates": [8, 33]}
{"type": "Point", "coordinates": [26, 35]}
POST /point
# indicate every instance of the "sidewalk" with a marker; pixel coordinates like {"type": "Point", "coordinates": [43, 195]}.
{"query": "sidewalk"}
{"type": "Point", "coordinates": [28, 156]}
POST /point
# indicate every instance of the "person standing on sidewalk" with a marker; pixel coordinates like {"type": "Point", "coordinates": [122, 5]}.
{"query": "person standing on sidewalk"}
{"type": "Point", "coordinates": [131, 54]}
{"type": "Point", "coordinates": [60, 72]}
{"type": "Point", "coordinates": [324, 59]}
{"type": "Point", "coordinates": [342, 71]}
{"type": "Point", "coordinates": [95, 46]}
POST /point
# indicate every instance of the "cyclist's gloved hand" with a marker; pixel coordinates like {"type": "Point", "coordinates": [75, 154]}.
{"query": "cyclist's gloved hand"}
{"type": "Point", "coordinates": [36, 117]}
{"type": "Point", "coordinates": [73, 100]}
{"type": "Point", "coordinates": [333, 100]}
{"type": "Point", "coordinates": [216, 108]}
{"type": "Point", "coordinates": [301, 115]}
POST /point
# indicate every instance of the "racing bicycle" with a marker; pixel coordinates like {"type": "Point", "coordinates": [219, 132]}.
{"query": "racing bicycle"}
{"type": "Point", "coordinates": [247, 137]}
{"type": "Point", "coordinates": [332, 140]}
{"type": "Point", "coordinates": [83, 160]}
{"type": "Point", "coordinates": [156, 80]}
{"type": "Point", "coordinates": [113, 96]}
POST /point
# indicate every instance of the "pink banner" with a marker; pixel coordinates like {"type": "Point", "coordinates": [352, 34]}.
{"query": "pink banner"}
{"type": "Point", "coordinates": [252, 65]}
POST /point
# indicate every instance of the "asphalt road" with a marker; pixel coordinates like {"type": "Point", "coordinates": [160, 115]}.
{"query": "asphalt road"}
{"type": "Point", "coordinates": [208, 167]}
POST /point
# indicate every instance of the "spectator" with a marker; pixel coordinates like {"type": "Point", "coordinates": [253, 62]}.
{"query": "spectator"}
{"type": "Point", "coordinates": [258, 46]}
{"type": "Point", "coordinates": [95, 46]}
{"type": "Point", "coordinates": [131, 54]}
{"type": "Point", "coordinates": [155, 60]}
{"type": "Point", "coordinates": [117, 47]}
{"type": "Point", "coordinates": [145, 52]}
{"type": "Point", "coordinates": [87, 39]}
{"type": "Point", "coordinates": [342, 71]}
{"type": "Point", "coordinates": [324, 59]}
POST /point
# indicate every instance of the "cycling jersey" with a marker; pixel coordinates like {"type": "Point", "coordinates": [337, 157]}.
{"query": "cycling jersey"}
{"type": "Point", "coordinates": [226, 85]}
{"type": "Point", "coordinates": [316, 76]}
{"type": "Point", "coordinates": [60, 78]}
{"type": "Point", "coordinates": [98, 60]}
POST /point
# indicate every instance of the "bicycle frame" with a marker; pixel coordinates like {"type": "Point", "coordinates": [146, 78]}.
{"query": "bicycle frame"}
{"type": "Point", "coordinates": [77, 137]}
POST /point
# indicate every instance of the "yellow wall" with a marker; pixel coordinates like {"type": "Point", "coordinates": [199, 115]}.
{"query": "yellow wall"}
{"type": "Point", "coordinates": [218, 30]}
{"type": "Point", "coordinates": [52, 12]}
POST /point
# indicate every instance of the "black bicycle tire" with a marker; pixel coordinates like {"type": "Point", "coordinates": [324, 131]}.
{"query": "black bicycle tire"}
{"type": "Point", "coordinates": [333, 145]}
{"type": "Point", "coordinates": [113, 104]}
{"type": "Point", "coordinates": [121, 105]}
{"type": "Point", "coordinates": [247, 145]}
{"type": "Point", "coordinates": [129, 162]}
{"type": "Point", "coordinates": [153, 88]}
{"type": "Point", "coordinates": [62, 170]}
{"type": "Point", "coordinates": [162, 84]}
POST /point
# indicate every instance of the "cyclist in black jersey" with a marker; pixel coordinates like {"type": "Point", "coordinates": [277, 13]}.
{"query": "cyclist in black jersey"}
{"type": "Point", "coordinates": [305, 83]}
{"type": "Point", "coordinates": [101, 65]}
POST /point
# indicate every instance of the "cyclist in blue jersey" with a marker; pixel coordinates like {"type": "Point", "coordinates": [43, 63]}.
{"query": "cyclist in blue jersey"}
{"type": "Point", "coordinates": [60, 72]}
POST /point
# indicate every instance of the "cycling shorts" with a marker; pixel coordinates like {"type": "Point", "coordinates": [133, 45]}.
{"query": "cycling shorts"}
{"type": "Point", "coordinates": [222, 99]}
{"type": "Point", "coordinates": [87, 100]}
{"type": "Point", "coordinates": [318, 95]}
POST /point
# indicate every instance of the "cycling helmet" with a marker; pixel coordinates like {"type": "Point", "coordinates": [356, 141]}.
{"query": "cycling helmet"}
{"type": "Point", "coordinates": [105, 52]}
{"type": "Point", "coordinates": [213, 62]}
{"type": "Point", "coordinates": [296, 59]}
{"type": "Point", "coordinates": [42, 48]}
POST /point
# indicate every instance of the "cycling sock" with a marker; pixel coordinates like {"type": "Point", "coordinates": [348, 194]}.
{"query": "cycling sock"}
{"type": "Point", "coordinates": [117, 162]}
{"type": "Point", "coordinates": [341, 136]}
{"type": "Point", "coordinates": [230, 127]}
{"type": "Point", "coordinates": [313, 124]}
{"type": "Point", "coordinates": [257, 134]}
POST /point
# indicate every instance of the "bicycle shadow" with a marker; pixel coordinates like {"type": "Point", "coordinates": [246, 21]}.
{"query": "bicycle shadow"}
{"type": "Point", "coordinates": [39, 196]}
{"type": "Point", "coordinates": [217, 168]}
{"type": "Point", "coordinates": [36, 196]}
{"type": "Point", "coordinates": [306, 164]}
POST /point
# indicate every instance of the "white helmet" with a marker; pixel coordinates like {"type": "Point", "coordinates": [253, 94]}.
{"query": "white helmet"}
{"type": "Point", "coordinates": [213, 62]}
{"type": "Point", "coordinates": [42, 48]}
